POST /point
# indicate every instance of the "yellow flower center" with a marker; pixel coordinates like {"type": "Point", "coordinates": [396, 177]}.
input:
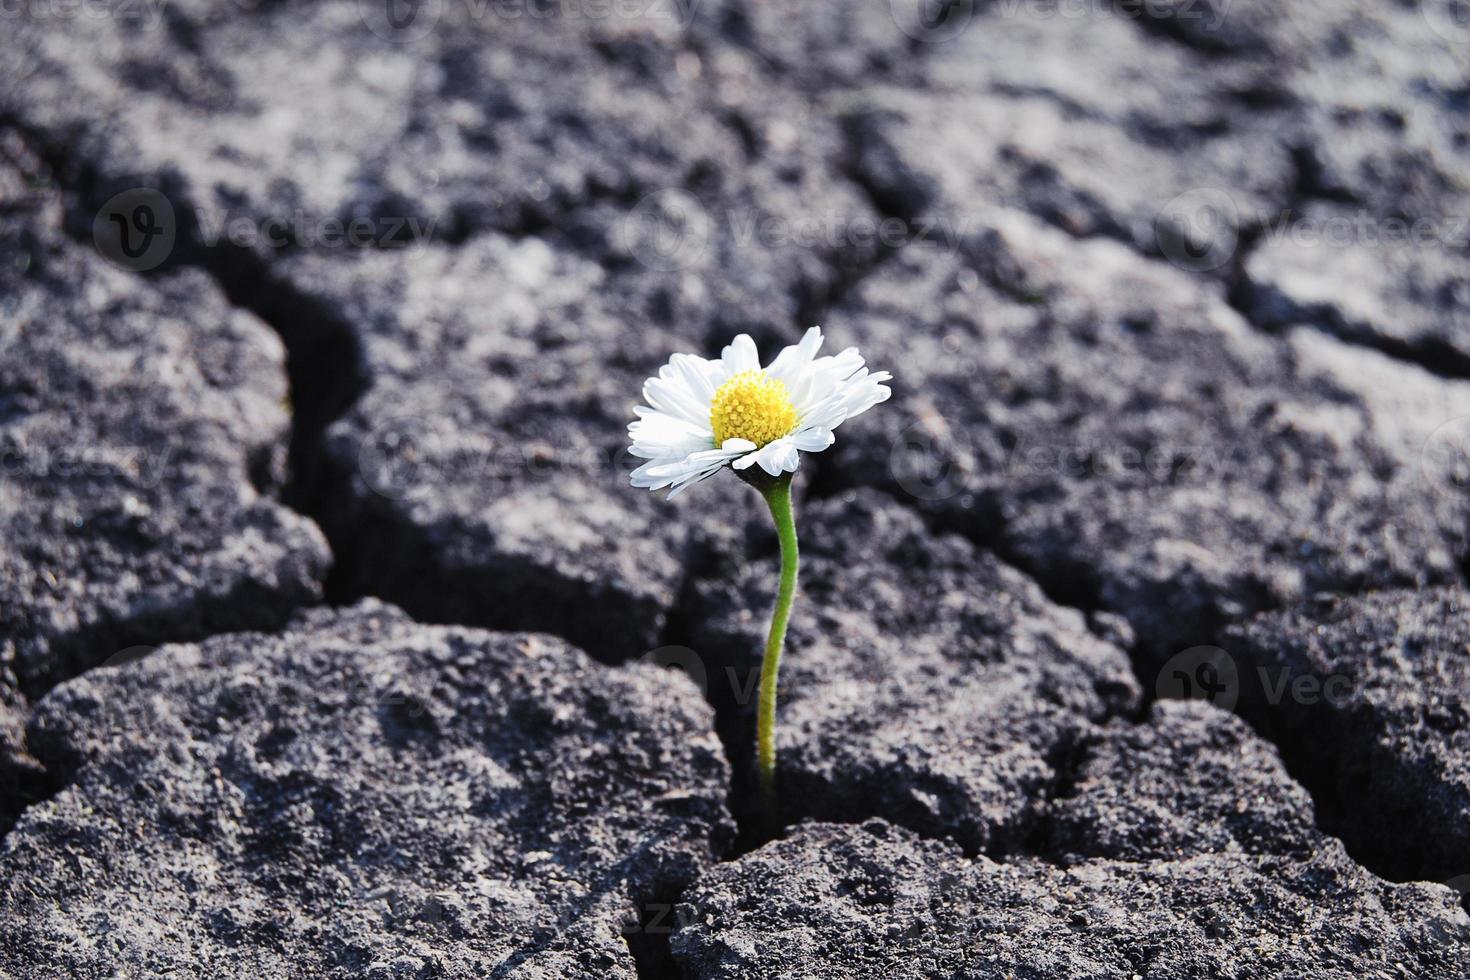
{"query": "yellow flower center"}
{"type": "Point", "coordinates": [752, 405]}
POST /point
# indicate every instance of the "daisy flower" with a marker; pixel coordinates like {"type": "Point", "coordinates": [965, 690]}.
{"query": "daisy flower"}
{"type": "Point", "coordinates": [703, 415]}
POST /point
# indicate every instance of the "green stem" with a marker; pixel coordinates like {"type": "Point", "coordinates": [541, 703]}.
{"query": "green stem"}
{"type": "Point", "coordinates": [778, 498]}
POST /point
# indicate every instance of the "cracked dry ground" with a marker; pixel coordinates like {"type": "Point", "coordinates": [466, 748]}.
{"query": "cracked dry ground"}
{"type": "Point", "coordinates": [1133, 638]}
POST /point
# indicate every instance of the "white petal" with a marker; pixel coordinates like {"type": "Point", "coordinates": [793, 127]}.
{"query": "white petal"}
{"type": "Point", "coordinates": [863, 391]}
{"type": "Point", "coordinates": [656, 435]}
{"type": "Point", "coordinates": [740, 355]}
{"type": "Point", "coordinates": [778, 457]}
{"type": "Point", "coordinates": [812, 440]}
{"type": "Point", "coordinates": [684, 471]}
{"type": "Point", "coordinates": [793, 361]}
{"type": "Point", "coordinates": [671, 394]}
{"type": "Point", "coordinates": [848, 397]}
{"type": "Point", "coordinates": [698, 375]}
{"type": "Point", "coordinates": [828, 415]}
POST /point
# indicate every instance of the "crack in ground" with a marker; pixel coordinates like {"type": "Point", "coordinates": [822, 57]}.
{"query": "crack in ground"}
{"type": "Point", "coordinates": [1248, 298]}
{"type": "Point", "coordinates": [326, 376]}
{"type": "Point", "coordinates": [1330, 815]}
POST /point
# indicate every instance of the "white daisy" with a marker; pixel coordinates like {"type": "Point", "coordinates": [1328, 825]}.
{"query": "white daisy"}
{"type": "Point", "coordinates": [705, 414]}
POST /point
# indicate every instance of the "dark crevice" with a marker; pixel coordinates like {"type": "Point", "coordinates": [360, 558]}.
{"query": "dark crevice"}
{"type": "Point", "coordinates": [649, 939]}
{"type": "Point", "coordinates": [1270, 311]}
{"type": "Point", "coordinates": [725, 682]}
{"type": "Point", "coordinates": [323, 369]}
{"type": "Point", "coordinates": [1067, 760]}
{"type": "Point", "coordinates": [1195, 24]}
{"type": "Point", "coordinates": [1299, 744]}
{"type": "Point", "coordinates": [324, 366]}
{"type": "Point", "coordinates": [24, 783]}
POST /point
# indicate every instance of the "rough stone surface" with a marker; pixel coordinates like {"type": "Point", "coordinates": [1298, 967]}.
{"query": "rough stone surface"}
{"type": "Point", "coordinates": [142, 427]}
{"type": "Point", "coordinates": [1191, 780]}
{"type": "Point", "coordinates": [1382, 90]}
{"type": "Point", "coordinates": [923, 680]}
{"type": "Point", "coordinates": [834, 901]}
{"type": "Point", "coordinates": [1088, 123]}
{"type": "Point", "coordinates": [1176, 847]}
{"type": "Point", "coordinates": [360, 796]}
{"type": "Point", "coordinates": [483, 476]}
{"type": "Point", "coordinates": [1370, 699]}
{"type": "Point", "coordinates": [142, 431]}
{"type": "Point", "coordinates": [1121, 433]}
{"type": "Point", "coordinates": [618, 133]}
{"type": "Point", "coordinates": [1072, 231]}
{"type": "Point", "coordinates": [1400, 285]}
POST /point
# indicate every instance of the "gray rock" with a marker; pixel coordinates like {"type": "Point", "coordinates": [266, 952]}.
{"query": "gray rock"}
{"type": "Point", "coordinates": [21, 776]}
{"type": "Point", "coordinates": [1178, 847]}
{"type": "Point", "coordinates": [483, 476]}
{"type": "Point", "coordinates": [1369, 697]}
{"type": "Point", "coordinates": [828, 51]}
{"type": "Point", "coordinates": [1392, 283]}
{"type": "Point", "coordinates": [1191, 780]}
{"type": "Point", "coordinates": [143, 431]}
{"type": "Point", "coordinates": [923, 680]}
{"type": "Point", "coordinates": [322, 126]}
{"type": "Point", "coordinates": [143, 435]}
{"type": "Point", "coordinates": [1123, 435]}
{"type": "Point", "coordinates": [359, 796]}
{"type": "Point", "coordinates": [836, 901]}
{"type": "Point", "coordinates": [1385, 122]}
{"type": "Point", "coordinates": [1085, 121]}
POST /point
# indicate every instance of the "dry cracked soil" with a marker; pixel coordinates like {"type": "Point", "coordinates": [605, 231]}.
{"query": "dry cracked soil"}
{"type": "Point", "coordinates": [1133, 638]}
